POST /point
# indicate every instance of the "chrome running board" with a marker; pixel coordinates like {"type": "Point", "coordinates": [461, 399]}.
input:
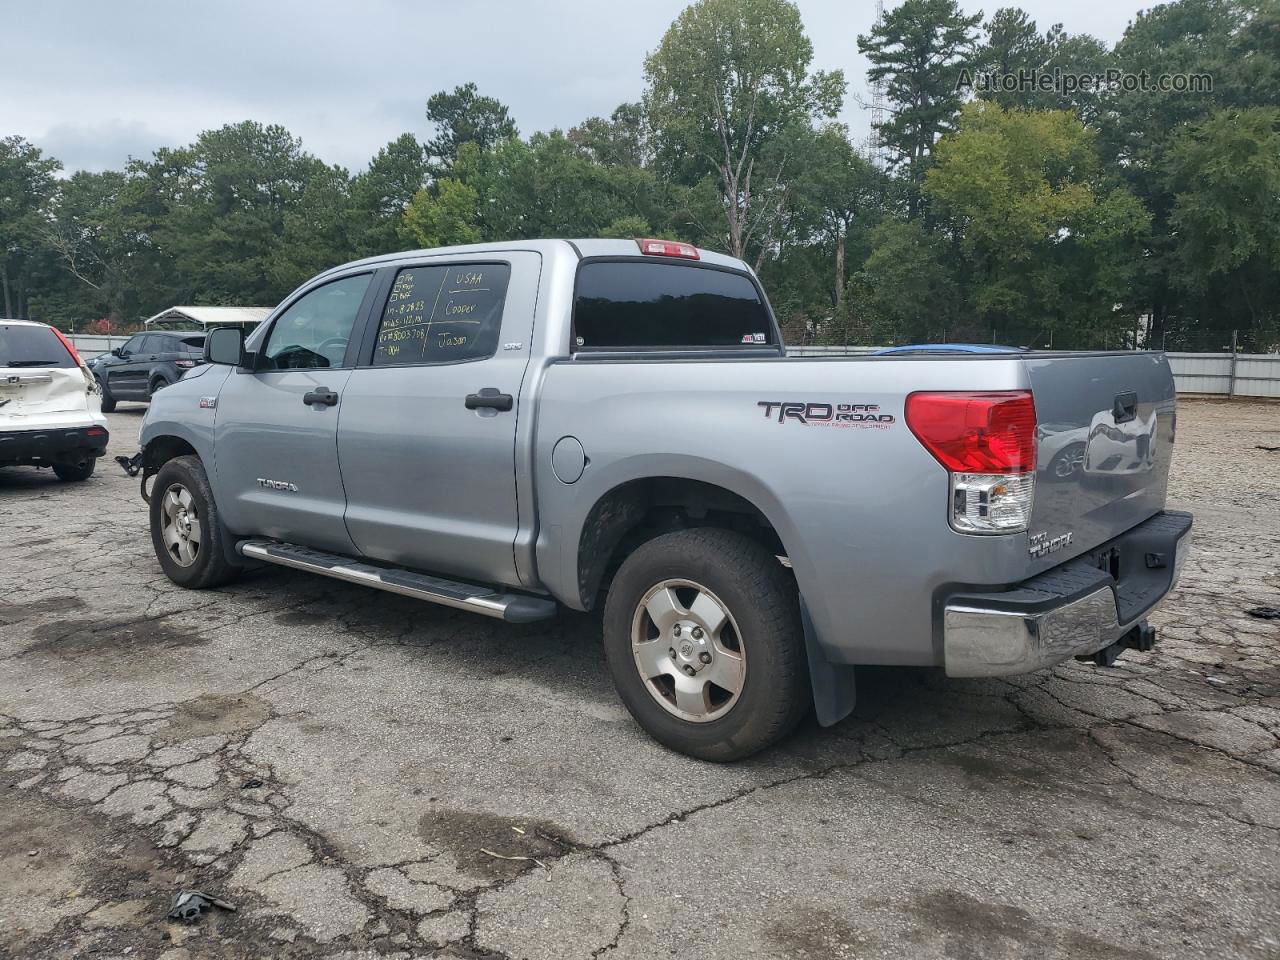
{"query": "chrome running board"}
{"type": "Point", "coordinates": [512, 607]}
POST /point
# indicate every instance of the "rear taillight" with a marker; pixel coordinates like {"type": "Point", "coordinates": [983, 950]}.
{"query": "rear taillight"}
{"type": "Point", "coordinates": [67, 343]}
{"type": "Point", "coordinates": [987, 442]}
{"type": "Point", "coordinates": [185, 364]}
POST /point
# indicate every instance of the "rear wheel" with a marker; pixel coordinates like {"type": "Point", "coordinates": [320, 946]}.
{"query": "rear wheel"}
{"type": "Point", "coordinates": [108, 401]}
{"type": "Point", "coordinates": [703, 639]}
{"type": "Point", "coordinates": [185, 531]}
{"type": "Point", "coordinates": [156, 385]}
{"type": "Point", "coordinates": [78, 469]}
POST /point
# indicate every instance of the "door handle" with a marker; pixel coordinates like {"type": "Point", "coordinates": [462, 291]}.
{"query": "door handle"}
{"type": "Point", "coordinates": [323, 395]}
{"type": "Point", "coordinates": [490, 397]}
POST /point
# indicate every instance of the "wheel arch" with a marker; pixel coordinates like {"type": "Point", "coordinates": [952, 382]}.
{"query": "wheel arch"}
{"type": "Point", "coordinates": [159, 450]}
{"type": "Point", "coordinates": [632, 511]}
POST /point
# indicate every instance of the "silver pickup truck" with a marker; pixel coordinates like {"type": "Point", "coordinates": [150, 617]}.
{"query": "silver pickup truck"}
{"type": "Point", "coordinates": [513, 428]}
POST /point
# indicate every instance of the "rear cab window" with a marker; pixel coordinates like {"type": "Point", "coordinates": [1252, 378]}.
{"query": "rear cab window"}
{"type": "Point", "coordinates": [31, 346]}
{"type": "Point", "coordinates": [636, 304]}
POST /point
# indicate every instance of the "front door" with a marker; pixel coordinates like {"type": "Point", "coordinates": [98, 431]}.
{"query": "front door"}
{"type": "Point", "coordinates": [427, 433]}
{"type": "Point", "coordinates": [276, 455]}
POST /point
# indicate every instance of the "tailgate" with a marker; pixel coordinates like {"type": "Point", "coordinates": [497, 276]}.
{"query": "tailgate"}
{"type": "Point", "coordinates": [1105, 428]}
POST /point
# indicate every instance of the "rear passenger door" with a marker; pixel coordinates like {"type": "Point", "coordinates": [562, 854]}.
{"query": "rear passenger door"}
{"type": "Point", "coordinates": [426, 438]}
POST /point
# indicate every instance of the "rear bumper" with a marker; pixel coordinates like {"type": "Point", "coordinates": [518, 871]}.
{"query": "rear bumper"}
{"type": "Point", "coordinates": [1076, 609]}
{"type": "Point", "coordinates": [55, 443]}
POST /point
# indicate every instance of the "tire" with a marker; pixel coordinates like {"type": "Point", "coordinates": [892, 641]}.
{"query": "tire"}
{"type": "Point", "coordinates": [761, 614]}
{"type": "Point", "coordinates": [72, 470]}
{"type": "Point", "coordinates": [1068, 462]}
{"type": "Point", "coordinates": [108, 401]}
{"type": "Point", "coordinates": [156, 385]}
{"type": "Point", "coordinates": [198, 565]}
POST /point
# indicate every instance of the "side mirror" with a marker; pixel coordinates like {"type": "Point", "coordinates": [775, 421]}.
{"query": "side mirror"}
{"type": "Point", "coordinates": [225, 345]}
{"type": "Point", "coordinates": [117, 351]}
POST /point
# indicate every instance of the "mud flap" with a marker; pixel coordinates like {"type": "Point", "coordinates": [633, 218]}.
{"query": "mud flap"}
{"type": "Point", "coordinates": [834, 690]}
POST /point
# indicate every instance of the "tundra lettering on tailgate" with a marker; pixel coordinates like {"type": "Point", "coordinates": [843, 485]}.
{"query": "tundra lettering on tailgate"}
{"type": "Point", "coordinates": [864, 415]}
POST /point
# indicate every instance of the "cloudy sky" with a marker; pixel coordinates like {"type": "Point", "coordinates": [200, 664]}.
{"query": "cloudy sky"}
{"type": "Point", "coordinates": [93, 83]}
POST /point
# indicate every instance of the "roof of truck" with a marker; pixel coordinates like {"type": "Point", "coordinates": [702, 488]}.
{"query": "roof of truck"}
{"type": "Point", "coordinates": [590, 247]}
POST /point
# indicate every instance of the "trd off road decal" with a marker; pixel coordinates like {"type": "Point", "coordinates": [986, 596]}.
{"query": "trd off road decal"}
{"type": "Point", "coordinates": [866, 416]}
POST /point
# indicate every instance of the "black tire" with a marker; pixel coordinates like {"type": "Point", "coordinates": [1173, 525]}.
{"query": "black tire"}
{"type": "Point", "coordinates": [1067, 463]}
{"type": "Point", "coordinates": [761, 598]}
{"type": "Point", "coordinates": [72, 470]}
{"type": "Point", "coordinates": [209, 566]}
{"type": "Point", "coordinates": [156, 385]}
{"type": "Point", "coordinates": [108, 401]}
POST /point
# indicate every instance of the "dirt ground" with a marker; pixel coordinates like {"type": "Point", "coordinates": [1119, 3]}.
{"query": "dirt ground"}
{"type": "Point", "coordinates": [355, 771]}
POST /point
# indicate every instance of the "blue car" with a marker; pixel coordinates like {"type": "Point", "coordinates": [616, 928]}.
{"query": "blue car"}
{"type": "Point", "coordinates": [951, 348]}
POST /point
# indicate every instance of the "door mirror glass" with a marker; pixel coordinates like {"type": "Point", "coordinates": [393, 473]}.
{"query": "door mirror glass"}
{"type": "Point", "coordinates": [225, 345]}
{"type": "Point", "coordinates": [117, 351]}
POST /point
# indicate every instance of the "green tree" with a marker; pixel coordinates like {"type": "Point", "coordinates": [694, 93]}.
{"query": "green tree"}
{"type": "Point", "coordinates": [1224, 173]}
{"type": "Point", "coordinates": [622, 139]}
{"type": "Point", "coordinates": [381, 194]}
{"type": "Point", "coordinates": [26, 188]}
{"type": "Point", "coordinates": [918, 51]}
{"type": "Point", "coordinates": [728, 81]}
{"type": "Point", "coordinates": [835, 187]}
{"type": "Point", "coordinates": [911, 291]}
{"type": "Point", "coordinates": [465, 116]}
{"type": "Point", "coordinates": [547, 187]}
{"type": "Point", "coordinates": [1014, 47]}
{"type": "Point", "coordinates": [1048, 245]}
{"type": "Point", "coordinates": [448, 216]}
{"type": "Point", "coordinates": [227, 208]}
{"type": "Point", "coordinates": [1214, 37]}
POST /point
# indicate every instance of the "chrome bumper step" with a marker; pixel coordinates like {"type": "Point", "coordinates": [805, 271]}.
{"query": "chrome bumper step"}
{"type": "Point", "coordinates": [512, 607]}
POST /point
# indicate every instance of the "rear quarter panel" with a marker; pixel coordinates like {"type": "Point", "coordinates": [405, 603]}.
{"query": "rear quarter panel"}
{"type": "Point", "coordinates": [861, 508]}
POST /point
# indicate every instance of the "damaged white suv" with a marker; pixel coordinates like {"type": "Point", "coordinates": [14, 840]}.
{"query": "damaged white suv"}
{"type": "Point", "coordinates": [50, 404]}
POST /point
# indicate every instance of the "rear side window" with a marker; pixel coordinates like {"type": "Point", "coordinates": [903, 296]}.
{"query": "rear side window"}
{"type": "Point", "coordinates": [31, 346]}
{"type": "Point", "coordinates": [193, 344]}
{"type": "Point", "coordinates": [633, 304]}
{"type": "Point", "coordinates": [442, 314]}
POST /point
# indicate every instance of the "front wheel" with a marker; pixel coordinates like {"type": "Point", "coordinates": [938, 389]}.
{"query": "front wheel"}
{"type": "Point", "coordinates": [185, 531]}
{"type": "Point", "coordinates": [703, 639]}
{"type": "Point", "coordinates": [108, 401]}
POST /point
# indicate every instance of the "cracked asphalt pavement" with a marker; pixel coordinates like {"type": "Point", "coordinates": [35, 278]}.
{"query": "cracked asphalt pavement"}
{"type": "Point", "coordinates": [363, 775]}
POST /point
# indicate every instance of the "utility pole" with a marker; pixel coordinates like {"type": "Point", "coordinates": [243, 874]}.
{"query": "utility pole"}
{"type": "Point", "coordinates": [875, 143]}
{"type": "Point", "coordinates": [1231, 385]}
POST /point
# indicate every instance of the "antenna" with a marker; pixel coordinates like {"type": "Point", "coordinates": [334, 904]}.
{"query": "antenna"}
{"type": "Point", "coordinates": [875, 143]}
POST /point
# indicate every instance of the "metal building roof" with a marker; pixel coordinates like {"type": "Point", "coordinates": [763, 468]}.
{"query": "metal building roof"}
{"type": "Point", "coordinates": [209, 316]}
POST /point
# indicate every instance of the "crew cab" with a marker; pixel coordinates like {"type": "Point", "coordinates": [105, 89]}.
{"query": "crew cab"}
{"type": "Point", "coordinates": [50, 405]}
{"type": "Point", "coordinates": [515, 428]}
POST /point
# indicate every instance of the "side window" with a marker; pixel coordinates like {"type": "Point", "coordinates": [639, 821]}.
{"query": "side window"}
{"type": "Point", "coordinates": [315, 330]}
{"type": "Point", "coordinates": [161, 345]}
{"type": "Point", "coordinates": [134, 345]}
{"type": "Point", "coordinates": [441, 314]}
